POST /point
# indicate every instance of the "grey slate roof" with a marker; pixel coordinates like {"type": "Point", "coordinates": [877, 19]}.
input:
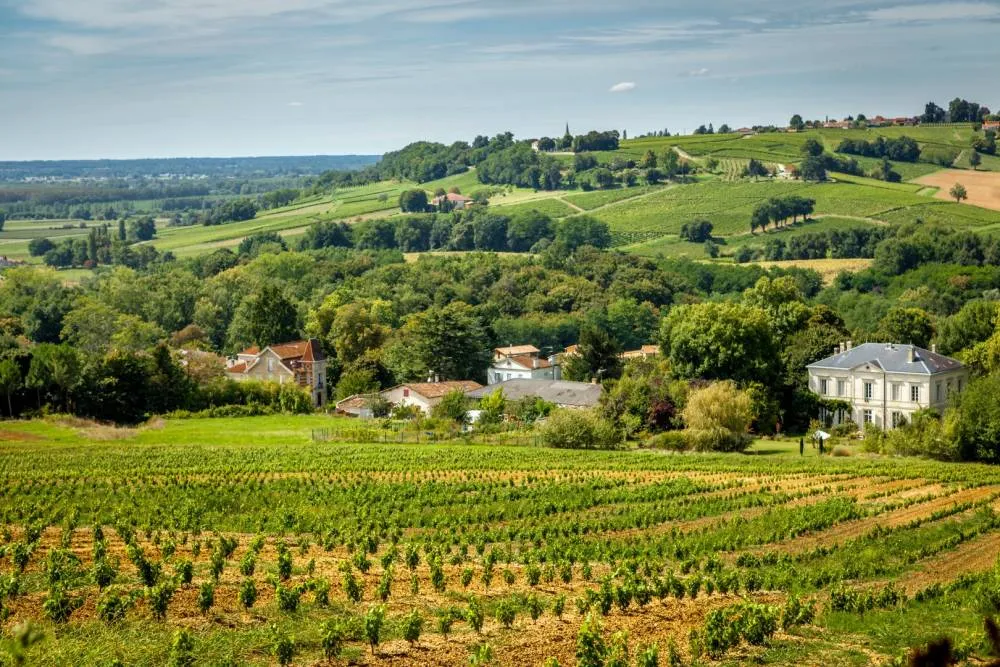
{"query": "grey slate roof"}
{"type": "Point", "coordinates": [560, 392]}
{"type": "Point", "coordinates": [890, 358]}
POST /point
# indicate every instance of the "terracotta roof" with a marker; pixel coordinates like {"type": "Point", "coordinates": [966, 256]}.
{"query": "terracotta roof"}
{"type": "Point", "coordinates": [439, 389]}
{"type": "Point", "coordinates": [517, 349]}
{"type": "Point", "coordinates": [526, 361]}
{"type": "Point", "coordinates": [288, 353]}
{"type": "Point", "coordinates": [644, 351]}
{"type": "Point", "coordinates": [356, 402]}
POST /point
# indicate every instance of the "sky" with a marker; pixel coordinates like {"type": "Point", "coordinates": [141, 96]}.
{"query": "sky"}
{"type": "Point", "coordinates": [83, 79]}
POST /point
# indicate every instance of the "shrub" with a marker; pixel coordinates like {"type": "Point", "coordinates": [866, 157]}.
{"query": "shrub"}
{"type": "Point", "coordinates": [59, 605]}
{"type": "Point", "coordinates": [718, 418]}
{"type": "Point", "coordinates": [158, 598]}
{"type": "Point", "coordinates": [332, 637]}
{"type": "Point", "coordinates": [184, 569]}
{"type": "Point", "coordinates": [248, 593]}
{"type": "Point", "coordinates": [113, 605]}
{"type": "Point", "coordinates": [412, 625]}
{"type": "Point", "coordinates": [672, 440]}
{"type": "Point", "coordinates": [206, 597]}
{"type": "Point", "coordinates": [182, 649]}
{"type": "Point", "coordinates": [288, 597]}
{"type": "Point", "coordinates": [474, 615]}
{"type": "Point", "coordinates": [506, 612]}
{"type": "Point", "coordinates": [590, 647]}
{"type": "Point", "coordinates": [374, 620]}
{"type": "Point", "coordinates": [103, 573]}
{"type": "Point", "coordinates": [579, 429]}
{"type": "Point", "coordinates": [352, 587]}
{"type": "Point", "coordinates": [282, 646]}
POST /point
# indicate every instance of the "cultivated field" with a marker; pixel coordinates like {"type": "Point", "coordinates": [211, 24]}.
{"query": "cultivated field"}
{"type": "Point", "coordinates": [890, 552]}
{"type": "Point", "coordinates": [983, 187]}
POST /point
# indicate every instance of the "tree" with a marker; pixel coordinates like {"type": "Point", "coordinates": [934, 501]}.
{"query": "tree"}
{"type": "Point", "coordinates": [354, 331]}
{"type": "Point", "coordinates": [718, 417]}
{"type": "Point", "coordinates": [582, 230]}
{"type": "Point", "coordinates": [413, 201]}
{"type": "Point", "coordinates": [958, 192]}
{"type": "Point", "coordinates": [975, 159]}
{"type": "Point", "coordinates": [454, 406]}
{"type": "Point", "coordinates": [812, 147]}
{"type": "Point", "coordinates": [796, 123]}
{"type": "Point", "coordinates": [526, 229]}
{"type": "Point", "coordinates": [906, 325]}
{"type": "Point", "coordinates": [697, 231]}
{"type": "Point", "coordinates": [596, 357]}
{"type": "Point", "coordinates": [724, 129]}
{"type": "Point", "coordinates": [813, 169]}
{"type": "Point", "coordinates": [10, 380]}
{"type": "Point", "coordinates": [720, 341]}
{"type": "Point", "coordinates": [977, 420]}
{"type": "Point", "coordinates": [450, 341]}
{"type": "Point", "coordinates": [37, 247]}
{"type": "Point", "coordinates": [265, 317]}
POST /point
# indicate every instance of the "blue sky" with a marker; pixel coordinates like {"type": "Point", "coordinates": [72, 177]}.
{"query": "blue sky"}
{"type": "Point", "coordinates": [143, 78]}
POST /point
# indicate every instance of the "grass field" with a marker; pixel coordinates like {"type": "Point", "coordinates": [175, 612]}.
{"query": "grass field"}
{"type": "Point", "coordinates": [438, 529]}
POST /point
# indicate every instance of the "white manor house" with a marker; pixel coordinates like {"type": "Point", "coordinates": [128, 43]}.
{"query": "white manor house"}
{"type": "Point", "coordinates": [885, 383]}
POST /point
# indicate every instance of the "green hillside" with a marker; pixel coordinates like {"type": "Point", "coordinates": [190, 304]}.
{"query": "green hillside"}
{"type": "Point", "coordinates": [644, 219]}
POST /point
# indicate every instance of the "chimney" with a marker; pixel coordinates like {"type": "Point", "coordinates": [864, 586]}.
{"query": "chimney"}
{"type": "Point", "coordinates": [836, 350]}
{"type": "Point", "coordinates": [850, 345]}
{"type": "Point", "coordinates": [535, 362]}
{"type": "Point", "coordinates": [437, 378]}
{"type": "Point", "coordinates": [934, 348]}
{"type": "Point", "coordinates": [913, 354]}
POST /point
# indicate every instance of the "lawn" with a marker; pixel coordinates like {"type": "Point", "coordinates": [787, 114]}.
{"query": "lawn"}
{"type": "Point", "coordinates": [532, 538]}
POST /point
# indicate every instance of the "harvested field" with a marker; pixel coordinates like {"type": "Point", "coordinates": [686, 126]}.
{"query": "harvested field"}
{"type": "Point", "coordinates": [983, 187]}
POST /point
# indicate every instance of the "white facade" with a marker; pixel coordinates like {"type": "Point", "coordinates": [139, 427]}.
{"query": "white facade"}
{"type": "Point", "coordinates": [522, 368]}
{"type": "Point", "coordinates": [887, 391]}
{"type": "Point", "coordinates": [404, 396]}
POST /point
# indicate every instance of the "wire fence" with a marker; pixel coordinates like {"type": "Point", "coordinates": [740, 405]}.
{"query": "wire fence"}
{"type": "Point", "coordinates": [381, 435]}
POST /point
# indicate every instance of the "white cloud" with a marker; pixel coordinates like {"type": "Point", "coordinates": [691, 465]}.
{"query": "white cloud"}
{"type": "Point", "coordinates": [701, 71]}
{"type": "Point", "coordinates": [944, 11]}
{"type": "Point", "coordinates": [623, 87]}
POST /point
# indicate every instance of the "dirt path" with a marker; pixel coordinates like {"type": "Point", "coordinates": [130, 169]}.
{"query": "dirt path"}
{"type": "Point", "coordinates": [573, 206]}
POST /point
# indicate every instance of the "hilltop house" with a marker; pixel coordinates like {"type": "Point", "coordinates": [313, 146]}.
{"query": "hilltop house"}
{"type": "Point", "coordinates": [300, 362]}
{"type": "Point", "coordinates": [425, 395]}
{"type": "Point", "coordinates": [521, 362]}
{"type": "Point", "coordinates": [884, 384]}
{"type": "Point", "coordinates": [455, 202]}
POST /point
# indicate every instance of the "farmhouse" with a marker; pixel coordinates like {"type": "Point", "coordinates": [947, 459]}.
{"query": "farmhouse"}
{"type": "Point", "coordinates": [457, 202]}
{"type": "Point", "coordinates": [300, 362]}
{"type": "Point", "coordinates": [991, 125]}
{"type": "Point", "coordinates": [521, 362]}
{"type": "Point", "coordinates": [884, 384]}
{"type": "Point", "coordinates": [425, 395]}
{"type": "Point", "coordinates": [562, 393]}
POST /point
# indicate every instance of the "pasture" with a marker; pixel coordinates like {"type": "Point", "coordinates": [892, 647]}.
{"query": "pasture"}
{"type": "Point", "coordinates": [112, 540]}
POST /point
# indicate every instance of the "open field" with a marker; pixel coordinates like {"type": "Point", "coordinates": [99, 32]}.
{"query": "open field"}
{"type": "Point", "coordinates": [828, 269]}
{"type": "Point", "coordinates": [983, 187]}
{"type": "Point", "coordinates": [453, 526]}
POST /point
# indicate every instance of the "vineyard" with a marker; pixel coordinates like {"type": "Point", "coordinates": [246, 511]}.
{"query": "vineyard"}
{"type": "Point", "coordinates": [245, 541]}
